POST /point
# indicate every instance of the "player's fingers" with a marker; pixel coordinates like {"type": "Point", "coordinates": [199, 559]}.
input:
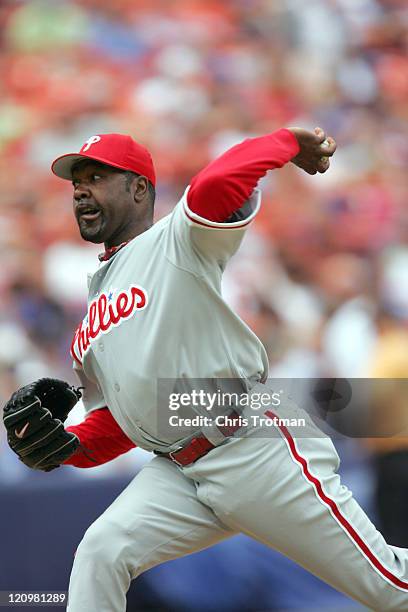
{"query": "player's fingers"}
{"type": "Point", "coordinates": [321, 134]}
{"type": "Point", "coordinates": [323, 165]}
{"type": "Point", "coordinates": [310, 170]}
{"type": "Point", "coordinates": [328, 147]}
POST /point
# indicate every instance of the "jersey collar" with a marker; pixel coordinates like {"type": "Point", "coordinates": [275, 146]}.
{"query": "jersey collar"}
{"type": "Point", "coordinates": [110, 252]}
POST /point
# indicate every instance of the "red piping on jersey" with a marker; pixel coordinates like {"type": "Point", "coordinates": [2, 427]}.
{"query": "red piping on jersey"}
{"type": "Point", "coordinates": [223, 226]}
{"type": "Point", "coordinates": [102, 437]}
{"type": "Point", "coordinates": [331, 504]}
{"type": "Point", "coordinates": [225, 184]}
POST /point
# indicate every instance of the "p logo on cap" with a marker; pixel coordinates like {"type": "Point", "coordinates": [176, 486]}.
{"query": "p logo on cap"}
{"type": "Point", "coordinates": [92, 140]}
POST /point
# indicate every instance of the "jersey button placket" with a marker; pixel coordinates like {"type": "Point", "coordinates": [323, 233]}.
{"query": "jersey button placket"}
{"type": "Point", "coordinates": [116, 386]}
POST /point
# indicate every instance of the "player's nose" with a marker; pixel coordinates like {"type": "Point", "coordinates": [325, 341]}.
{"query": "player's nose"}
{"type": "Point", "coordinates": [81, 191]}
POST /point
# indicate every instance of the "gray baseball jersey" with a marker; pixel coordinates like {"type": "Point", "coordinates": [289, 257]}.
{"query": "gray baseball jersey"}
{"type": "Point", "coordinates": [155, 311]}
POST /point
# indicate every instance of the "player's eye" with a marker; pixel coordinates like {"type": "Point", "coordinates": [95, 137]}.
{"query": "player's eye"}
{"type": "Point", "coordinates": [92, 179]}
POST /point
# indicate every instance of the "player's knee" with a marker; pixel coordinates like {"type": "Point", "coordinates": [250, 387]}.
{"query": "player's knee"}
{"type": "Point", "coordinates": [104, 544]}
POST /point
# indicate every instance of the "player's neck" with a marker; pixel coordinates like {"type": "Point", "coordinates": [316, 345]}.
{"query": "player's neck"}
{"type": "Point", "coordinates": [128, 234]}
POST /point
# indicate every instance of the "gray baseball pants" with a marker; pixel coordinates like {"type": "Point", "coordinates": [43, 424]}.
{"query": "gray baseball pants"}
{"type": "Point", "coordinates": [283, 491]}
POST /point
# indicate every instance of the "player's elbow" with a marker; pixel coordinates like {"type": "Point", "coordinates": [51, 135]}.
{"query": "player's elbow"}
{"type": "Point", "coordinates": [216, 197]}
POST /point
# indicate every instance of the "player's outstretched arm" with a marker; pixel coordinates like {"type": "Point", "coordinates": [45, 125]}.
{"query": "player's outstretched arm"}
{"type": "Point", "coordinates": [223, 186]}
{"type": "Point", "coordinates": [226, 183]}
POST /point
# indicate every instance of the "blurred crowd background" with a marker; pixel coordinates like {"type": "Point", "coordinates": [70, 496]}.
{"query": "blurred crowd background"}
{"type": "Point", "coordinates": [322, 275]}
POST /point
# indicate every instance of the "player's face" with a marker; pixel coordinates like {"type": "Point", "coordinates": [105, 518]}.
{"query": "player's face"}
{"type": "Point", "coordinates": [103, 205]}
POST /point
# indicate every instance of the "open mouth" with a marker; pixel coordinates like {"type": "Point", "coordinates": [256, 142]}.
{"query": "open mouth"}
{"type": "Point", "coordinates": [89, 214]}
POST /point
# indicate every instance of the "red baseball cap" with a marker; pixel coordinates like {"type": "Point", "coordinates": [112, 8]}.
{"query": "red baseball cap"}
{"type": "Point", "coordinates": [116, 150]}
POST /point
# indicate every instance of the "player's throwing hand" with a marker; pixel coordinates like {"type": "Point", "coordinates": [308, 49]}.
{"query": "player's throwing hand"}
{"type": "Point", "coordinates": [315, 150]}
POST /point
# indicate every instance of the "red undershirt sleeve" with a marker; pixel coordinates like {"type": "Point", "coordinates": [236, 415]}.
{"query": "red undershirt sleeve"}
{"type": "Point", "coordinates": [225, 184]}
{"type": "Point", "coordinates": [102, 439]}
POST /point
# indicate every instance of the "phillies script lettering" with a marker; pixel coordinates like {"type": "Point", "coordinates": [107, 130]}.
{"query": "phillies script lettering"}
{"type": "Point", "coordinates": [105, 313]}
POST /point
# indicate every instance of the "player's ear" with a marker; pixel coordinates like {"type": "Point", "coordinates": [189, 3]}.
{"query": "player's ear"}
{"type": "Point", "coordinates": [141, 187]}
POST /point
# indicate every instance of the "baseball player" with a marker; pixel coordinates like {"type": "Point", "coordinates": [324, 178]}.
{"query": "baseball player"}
{"type": "Point", "coordinates": [155, 311]}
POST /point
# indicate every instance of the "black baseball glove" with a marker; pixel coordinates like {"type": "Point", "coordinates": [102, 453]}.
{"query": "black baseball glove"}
{"type": "Point", "coordinates": [34, 417]}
